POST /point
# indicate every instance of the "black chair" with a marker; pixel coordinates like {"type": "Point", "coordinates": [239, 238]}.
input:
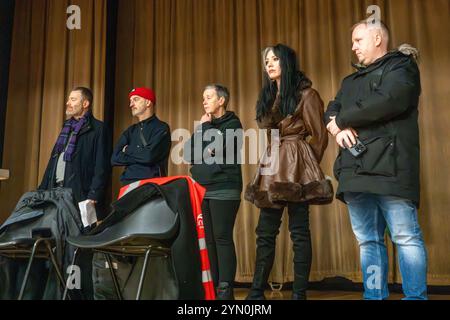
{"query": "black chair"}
{"type": "Point", "coordinates": [148, 231]}
{"type": "Point", "coordinates": [40, 245]}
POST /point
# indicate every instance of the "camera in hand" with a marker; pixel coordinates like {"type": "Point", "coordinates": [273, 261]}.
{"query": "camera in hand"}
{"type": "Point", "coordinates": [358, 149]}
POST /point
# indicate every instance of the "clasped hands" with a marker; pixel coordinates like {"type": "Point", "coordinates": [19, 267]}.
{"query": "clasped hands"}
{"type": "Point", "coordinates": [344, 138]}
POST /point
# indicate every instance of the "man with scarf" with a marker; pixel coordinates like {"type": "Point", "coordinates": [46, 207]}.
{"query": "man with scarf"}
{"type": "Point", "coordinates": [80, 162]}
{"type": "Point", "coordinates": [80, 158]}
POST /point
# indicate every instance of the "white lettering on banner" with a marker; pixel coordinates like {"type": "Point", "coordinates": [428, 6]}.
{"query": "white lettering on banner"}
{"type": "Point", "coordinates": [200, 221]}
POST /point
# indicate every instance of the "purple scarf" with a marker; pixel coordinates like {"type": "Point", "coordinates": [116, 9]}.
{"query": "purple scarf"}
{"type": "Point", "coordinates": [69, 126]}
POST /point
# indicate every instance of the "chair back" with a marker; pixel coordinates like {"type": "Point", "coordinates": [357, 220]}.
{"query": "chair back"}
{"type": "Point", "coordinates": [153, 222]}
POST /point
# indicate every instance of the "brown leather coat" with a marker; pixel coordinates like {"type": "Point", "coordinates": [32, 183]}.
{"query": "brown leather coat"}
{"type": "Point", "coordinates": [303, 140]}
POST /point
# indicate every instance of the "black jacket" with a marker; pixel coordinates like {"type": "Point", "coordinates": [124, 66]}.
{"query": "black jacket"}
{"type": "Point", "coordinates": [89, 171]}
{"type": "Point", "coordinates": [147, 153]}
{"type": "Point", "coordinates": [217, 170]}
{"type": "Point", "coordinates": [54, 210]}
{"type": "Point", "coordinates": [381, 103]}
{"type": "Point", "coordinates": [185, 253]}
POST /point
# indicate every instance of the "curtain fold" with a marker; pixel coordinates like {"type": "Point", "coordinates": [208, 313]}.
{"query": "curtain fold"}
{"type": "Point", "coordinates": [47, 61]}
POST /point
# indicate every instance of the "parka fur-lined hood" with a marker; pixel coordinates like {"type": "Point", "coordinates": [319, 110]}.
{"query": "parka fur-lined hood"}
{"type": "Point", "coordinates": [409, 50]}
{"type": "Point", "coordinates": [406, 49]}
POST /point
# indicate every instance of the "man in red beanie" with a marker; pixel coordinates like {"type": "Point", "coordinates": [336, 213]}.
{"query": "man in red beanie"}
{"type": "Point", "coordinates": [143, 149]}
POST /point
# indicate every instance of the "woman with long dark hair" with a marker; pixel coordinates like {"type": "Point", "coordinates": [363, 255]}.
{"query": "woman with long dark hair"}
{"type": "Point", "coordinates": [289, 174]}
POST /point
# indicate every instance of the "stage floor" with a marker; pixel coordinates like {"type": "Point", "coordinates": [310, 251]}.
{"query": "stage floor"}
{"type": "Point", "coordinates": [241, 293]}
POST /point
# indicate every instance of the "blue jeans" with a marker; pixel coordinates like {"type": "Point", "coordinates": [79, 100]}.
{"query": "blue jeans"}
{"type": "Point", "coordinates": [369, 214]}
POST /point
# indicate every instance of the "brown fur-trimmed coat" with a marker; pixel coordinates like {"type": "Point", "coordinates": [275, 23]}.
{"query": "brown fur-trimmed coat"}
{"type": "Point", "coordinates": [303, 140]}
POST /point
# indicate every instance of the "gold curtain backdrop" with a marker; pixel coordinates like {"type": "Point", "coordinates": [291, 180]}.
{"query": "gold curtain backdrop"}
{"type": "Point", "coordinates": [47, 61]}
{"type": "Point", "coordinates": [179, 46]}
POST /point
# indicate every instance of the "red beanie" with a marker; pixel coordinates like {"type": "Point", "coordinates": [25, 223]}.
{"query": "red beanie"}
{"type": "Point", "coordinates": [145, 93]}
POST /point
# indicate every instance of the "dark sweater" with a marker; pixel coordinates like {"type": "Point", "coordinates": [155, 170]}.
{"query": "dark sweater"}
{"type": "Point", "coordinates": [214, 170]}
{"type": "Point", "coordinates": [148, 146]}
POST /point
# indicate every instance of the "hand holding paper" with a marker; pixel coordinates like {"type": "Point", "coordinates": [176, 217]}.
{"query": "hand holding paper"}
{"type": "Point", "coordinates": [88, 213]}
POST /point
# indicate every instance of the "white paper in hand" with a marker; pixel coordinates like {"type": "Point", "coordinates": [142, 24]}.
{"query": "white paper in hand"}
{"type": "Point", "coordinates": [88, 214]}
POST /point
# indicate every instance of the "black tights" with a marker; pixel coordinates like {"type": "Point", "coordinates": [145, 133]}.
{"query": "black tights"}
{"type": "Point", "coordinates": [219, 217]}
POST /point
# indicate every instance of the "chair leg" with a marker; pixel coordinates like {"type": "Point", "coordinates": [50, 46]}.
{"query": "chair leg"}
{"type": "Point", "coordinates": [55, 265]}
{"type": "Point", "coordinates": [75, 253]}
{"type": "Point", "coordinates": [27, 272]}
{"type": "Point", "coordinates": [143, 272]}
{"type": "Point", "coordinates": [113, 276]}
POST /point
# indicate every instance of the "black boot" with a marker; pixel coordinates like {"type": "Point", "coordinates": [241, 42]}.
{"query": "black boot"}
{"type": "Point", "coordinates": [225, 291]}
{"type": "Point", "coordinates": [301, 239]}
{"type": "Point", "coordinates": [267, 230]}
{"type": "Point", "coordinates": [259, 284]}
{"type": "Point", "coordinates": [264, 262]}
{"type": "Point", "coordinates": [255, 295]}
{"type": "Point", "coordinates": [299, 296]}
{"type": "Point", "coordinates": [300, 283]}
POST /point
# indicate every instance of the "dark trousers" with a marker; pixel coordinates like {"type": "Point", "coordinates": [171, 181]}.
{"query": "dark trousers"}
{"type": "Point", "coordinates": [267, 231]}
{"type": "Point", "coordinates": [218, 218]}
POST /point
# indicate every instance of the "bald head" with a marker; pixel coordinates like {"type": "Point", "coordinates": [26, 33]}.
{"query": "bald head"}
{"type": "Point", "coordinates": [370, 41]}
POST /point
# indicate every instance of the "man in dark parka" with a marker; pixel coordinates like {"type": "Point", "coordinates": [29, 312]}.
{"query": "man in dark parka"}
{"type": "Point", "coordinates": [379, 105]}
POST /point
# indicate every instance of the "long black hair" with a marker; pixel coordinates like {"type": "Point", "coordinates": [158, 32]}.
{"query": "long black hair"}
{"type": "Point", "coordinates": [293, 81]}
